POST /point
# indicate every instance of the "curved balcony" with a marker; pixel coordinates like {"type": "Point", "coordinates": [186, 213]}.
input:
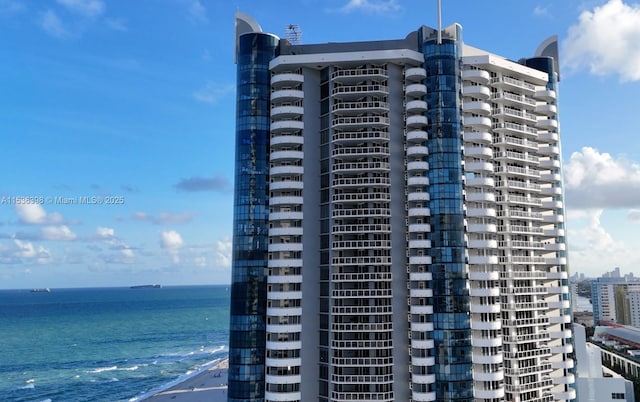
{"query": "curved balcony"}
{"type": "Point", "coordinates": [483, 259]}
{"type": "Point", "coordinates": [478, 152]}
{"type": "Point", "coordinates": [289, 345]}
{"type": "Point", "coordinates": [479, 197]}
{"type": "Point", "coordinates": [551, 190]}
{"type": "Point", "coordinates": [547, 124]}
{"type": "Point", "coordinates": [569, 395]}
{"type": "Point", "coordinates": [420, 244]}
{"type": "Point", "coordinates": [550, 164]}
{"type": "Point", "coordinates": [484, 292]}
{"type": "Point", "coordinates": [481, 137]}
{"type": "Point", "coordinates": [560, 319]}
{"type": "Point", "coordinates": [477, 76]}
{"type": "Point", "coordinates": [280, 140]}
{"type": "Point", "coordinates": [360, 122]}
{"type": "Point", "coordinates": [416, 90]}
{"type": "Point", "coordinates": [488, 359]}
{"type": "Point", "coordinates": [420, 260]}
{"type": "Point", "coordinates": [484, 276]}
{"type": "Point", "coordinates": [480, 393]}
{"type": "Point", "coordinates": [285, 231]}
{"type": "Point", "coordinates": [417, 136]}
{"type": "Point", "coordinates": [495, 376]}
{"type": "Point", "coordinates": [420, 276]}
{"type": "Point", "coordinates": [423, 396]}
{"type": "Point", "coordinates": [478, 342]}
{"type": "Point", "coordinates": [480, 182]}
{"type": "Point", "coordinates": [552, 204]}
{"type": "Point", "coordinates": [562, 364]}
{"type": "Point", "coordinates": [418, 181]}
{"type": "Point", "coordinates": [485, 325]}
{"type": "Point", "coordinates": [418, 196]}
{"type": "Point", "coordinates": [286, 80]}
{"type": "Point", "coordinates": [419, 211]}
{"type": "Point", "coordinates": [286, 95]}
{"type": "Point", "coordinates": [477, 122]}
{"type": "Point", "coordinates": [278, 156]}
{"type": "Point", "coordinates": [546, 95]}
{"type": "Point", "coordinates": [422, 343]}
{"type": "Point", "coordinates": [556, 232]}
{"type": "Point", "coordinates": [482, 228]}
{"type": "Point", "coordinates": [285, 216]}
{"type": "Point", "coordinates": [420, 166]}
{"type": "Point", "coordinates": [282, 397]}
{"type": "Point", "coordinates": [284, 328]}
{"type": "Point", "coordinates": [557, 261]}
{"type": "Point", "coordinates": [415, 309]}
{"type": "Point", "coordinates": [285, 200]}
{"type": "Point", "coordinates": [548, 137]}
{"type": "Point", "coordinates": [417, 121]}
{"type": "Point", "coordinates": [421, 293]}
{"type": "Point", "coordinates": [422, 361]}
{"type": "Point", "coordinates": [415, 74]}
{"type": "Point", "coordinates": [286, 125]}
{"type": "Point", "coordinates": [423, 379]}
{"type": "Point", "coordinates": [419, 228]}
{"type": "Point", "coordinates": [357, 91]}
{"type": "Point", "coordinates": [284, 311]}
{"type": "Point", "coordinates": [557, 275]}
{"type": "Point", "coordinates": [559, 304]}
{"type": "Point", "coordinates": [282, 379]}
{"type": "Point", "coordinates": [286, 112]}
{"type": "Point", "coordinates": [484, 308]}
{"type": "Point", "coordinates": [478, 107]}
{"type": "Point", "coordinates": [416, 106]}
{"type": "Point", "coordinates": [550, 150]}
{"type": "Point", "coordinates": [479, 166]}
{"type": "Point", "coordinates": [476, 91]}
{"type": "Point", "coordinates": [483, 243]}
{"type": "Point", "coordinates": [550, 177]}
{"type": "Point", "coordinates": [566, 348]}
{"type": "Point", "coordinates": [417, 151]}
{"type": "Point", "coordinates": [286, 170]}
{"type": "Point", "coordinates": [289, 262]}
{"type": "Point", "coordinates": [546, 109]}
{"type": "Point", "coordinates": [553, 218]}
{"type": "Point", "coordinates": [481, 212]}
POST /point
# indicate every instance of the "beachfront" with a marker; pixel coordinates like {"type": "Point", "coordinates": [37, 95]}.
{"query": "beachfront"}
{"type": "Point", "coordinates": [209, 385]}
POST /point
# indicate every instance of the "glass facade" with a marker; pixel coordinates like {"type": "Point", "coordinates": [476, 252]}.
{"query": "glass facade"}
{"type": "Point", "coordinates": [251, 219]}
{"type": "Point", "coordinates": [451, 319]}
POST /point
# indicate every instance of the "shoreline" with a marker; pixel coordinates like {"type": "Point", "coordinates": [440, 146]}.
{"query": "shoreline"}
{"type": "Point", "coordinates": [207, 383]}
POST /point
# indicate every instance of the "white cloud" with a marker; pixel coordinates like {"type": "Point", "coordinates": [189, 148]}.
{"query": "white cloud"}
{"type": "Point", "coordinates": [372, 6]}
{"type": "Point", "coordinates": [212, 93]}
{"type": "Point", "coordinates": [607, 40]}
{"type": "Point", "coordinates": [597, 180]}
{"type": "Point", "coordinates": [117, 24]}
{"type": "Point", "coordinates": [164, 218]}
{"type": "Point", "coordinates": [540, 10]}
{"type": "Point", "coordinates": [197, 12]}
{"type": "Point", "coordinates": [35, 214]}
{"type": "Point", "coordinates": [634, 215]}
{"type": "Point", "coordinates": [24, 252]}
{"type": "Point", "coordinates": [61, 232]}
{"type": "Point", "coordinates": [105, 232]}
{"type": "Point", "coordinates": [86, 8]}
{"type": "Point", "coordinates": [223, 252]}
{"type": "Point", "coordinates": [53, 25]}
{"type": "Point", "coordinates": [593, 250]}
{"type": "Point", "coordinates": [171, 241]}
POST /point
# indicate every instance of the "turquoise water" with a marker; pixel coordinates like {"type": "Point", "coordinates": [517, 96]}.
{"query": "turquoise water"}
{"type": "Point", "coordinates": [107, 344]}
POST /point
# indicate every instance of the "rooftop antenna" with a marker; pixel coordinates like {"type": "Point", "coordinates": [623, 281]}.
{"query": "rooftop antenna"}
{"type": "Point", "coordinates": [293, 34]}
{"type": "Point", "coordinates": [439, 22]}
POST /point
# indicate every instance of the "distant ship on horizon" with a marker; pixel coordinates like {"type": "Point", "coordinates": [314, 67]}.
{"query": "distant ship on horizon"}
{"type": "Point", "coordinates": [40, 290]}
{"type": "Point", "coordinates": [151, 286]}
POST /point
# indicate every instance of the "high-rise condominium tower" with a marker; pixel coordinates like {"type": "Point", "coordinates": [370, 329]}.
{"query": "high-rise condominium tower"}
{"type": "Point", "coordinates": [398, 228]}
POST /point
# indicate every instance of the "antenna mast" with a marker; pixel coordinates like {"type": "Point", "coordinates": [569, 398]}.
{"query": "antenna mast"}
{"type": "Point", "coordinates": [439, 22]}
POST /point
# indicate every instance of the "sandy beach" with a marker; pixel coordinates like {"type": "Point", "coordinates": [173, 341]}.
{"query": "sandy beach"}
{"type": "Point", "coordinates": [210, 385]}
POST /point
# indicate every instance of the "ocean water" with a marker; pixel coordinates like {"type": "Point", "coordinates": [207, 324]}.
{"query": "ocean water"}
{"type": "Point", "coordinates": [107, 344]}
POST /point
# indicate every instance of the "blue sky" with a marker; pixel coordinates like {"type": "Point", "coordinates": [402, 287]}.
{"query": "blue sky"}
{"type": "Point", "coordinates": [133, 103]}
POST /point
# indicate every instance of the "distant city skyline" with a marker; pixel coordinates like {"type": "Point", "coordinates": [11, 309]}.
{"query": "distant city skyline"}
{"type": "Point", "coordinates": [121, 131]}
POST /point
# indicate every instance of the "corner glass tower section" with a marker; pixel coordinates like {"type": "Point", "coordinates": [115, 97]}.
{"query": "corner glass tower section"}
{"type": "Point", "coordinates": [451, 319]}
{"type": "Point", "coordinates": [251, 219]}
